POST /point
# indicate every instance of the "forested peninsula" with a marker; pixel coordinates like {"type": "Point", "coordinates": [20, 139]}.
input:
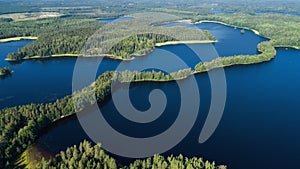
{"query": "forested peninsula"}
{"type": "Point", "coordinates": [282, 30]}
{"type": "Point", "coordinates": [67, 36]}
{"type": "Point", "coordinates": [59, 36]}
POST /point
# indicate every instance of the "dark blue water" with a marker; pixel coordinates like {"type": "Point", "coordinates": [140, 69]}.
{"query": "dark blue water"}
{"type": "Point", "coordinates": [43, 81]}
{"type": "Point", "coordinates": [108, 20]}
{"type": "Point", "coordinates": [230, 41]}
{"type": "Point", "coordinates": [240, 43]}
{"type": "Point", "coordinates": [259, 128]}
{"type": "Point", "coordinates": [37, 81]}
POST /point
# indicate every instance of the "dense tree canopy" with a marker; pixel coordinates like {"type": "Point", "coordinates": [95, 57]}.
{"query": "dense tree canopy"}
{"type": "Point", "coordinates": [138, 45]}
{"type": "Point", "coordinates": [69, 34]}
{"type": "Point", "coordinates": [268, 52]}
{"type": "Point", "coordinates": [19, 126]}
{"type": "Point", "coordinates": [56, 35]}
{"type": "Point", "coordinates": [86, 156]}
{"type": "Point", "coordinates": [283, 30]}
{"type": "Point", "coordinates": [5, 72]}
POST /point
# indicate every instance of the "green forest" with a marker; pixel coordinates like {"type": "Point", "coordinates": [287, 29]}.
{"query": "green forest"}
{"type": "Point", "coordinates": [68, 34]}
{"type": "Point", "coordinates": [65, 35]}
{"type": "Point", "coordinates": [5, 72]}
{"type": "Point", "coordinates": [282, 30]}
{"type": "Point", "coordinates": [86, 156]}
{"type": "Point", "coordinates": [20, 125]}
{"type": "Point", "coordinates": [267, 52]}
{"type": "Point", "coordinates": [138, 45]}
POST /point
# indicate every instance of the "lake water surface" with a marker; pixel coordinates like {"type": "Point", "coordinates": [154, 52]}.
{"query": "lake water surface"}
{"type": "Point", "coordinates": [260, 127]}
{"type": "Point", "coordinates": [43, 81]}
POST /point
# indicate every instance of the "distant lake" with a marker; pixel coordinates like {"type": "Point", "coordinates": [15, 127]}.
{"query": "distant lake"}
{"type": "Point", "coordinates": [260, 127]}
{"type": "Point", "coordinates": [107, 20]}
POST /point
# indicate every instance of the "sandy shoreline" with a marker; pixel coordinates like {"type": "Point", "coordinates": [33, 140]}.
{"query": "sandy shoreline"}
{"type": "Point", "coordinates": [18, 38]}
{"type": "Point", "coordinates": [184, 42]}
{"type": "Point", "coordinates": [223, 23]}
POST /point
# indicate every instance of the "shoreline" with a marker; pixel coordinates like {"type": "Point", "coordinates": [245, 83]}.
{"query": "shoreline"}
{"type": "Point", "coordinates": [134, 56]}
{"type": "Point", "coordinates": [223, 23]}
{"type": "Point", "coordinates": [110, 56]}
{"type": "Point", "coordinates": [185, 42]}
{"type": "Point", "coordinates": [287, 46]}
{"type": "Point", "coordinates": [234, 26]}
{"type": "Point", "coordinates": [40, 57]}
{"type": "Point", "coordinates": [70, 55]}
{"type": "Point", "coordinates": [18, 39]}
{"type": "Point", "coordinates": [193, 72]}
{"type": "Point", "coordinates": [246, 28]}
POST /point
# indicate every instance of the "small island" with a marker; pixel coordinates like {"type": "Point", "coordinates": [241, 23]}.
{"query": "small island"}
{"type": "Point", "coordinates": [5, 72]}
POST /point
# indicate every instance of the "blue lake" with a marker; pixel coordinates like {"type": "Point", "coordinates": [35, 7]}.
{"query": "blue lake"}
{"type": "Point", "coordinates": [30, 78]}
{"type": "Point", "coordinates": [107, 20]}
{"type": "Point", "coordinates": [260, 127]}
{"type": "Point", "coordinates": [260, 124]}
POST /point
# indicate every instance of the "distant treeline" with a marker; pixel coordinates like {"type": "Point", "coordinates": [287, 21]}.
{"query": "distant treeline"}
{"type": "Point", "coordinates": [179, 7]}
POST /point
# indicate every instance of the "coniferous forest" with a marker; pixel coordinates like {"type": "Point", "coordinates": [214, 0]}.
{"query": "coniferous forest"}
{"type": "Point", "coordinates": [68, 31]}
